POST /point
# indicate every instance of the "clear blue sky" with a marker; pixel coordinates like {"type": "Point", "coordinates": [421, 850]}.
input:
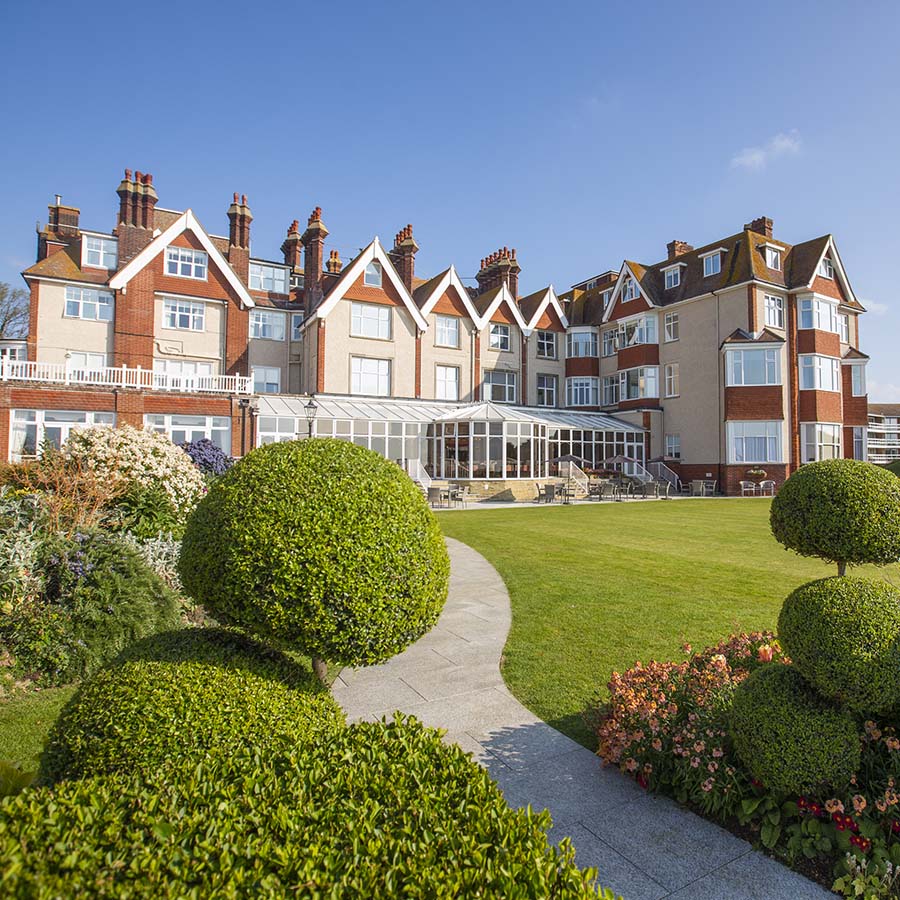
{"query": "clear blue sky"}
{"type": "Point", "coordinates": [578, 133]}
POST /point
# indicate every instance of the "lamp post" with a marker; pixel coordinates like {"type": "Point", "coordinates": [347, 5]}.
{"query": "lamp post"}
{"type": "Point", "coordinates": [310, 408]}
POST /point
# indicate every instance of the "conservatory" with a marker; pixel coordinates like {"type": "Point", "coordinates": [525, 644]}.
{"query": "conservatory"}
{"type": "Point", "coordinates": [479, 441]}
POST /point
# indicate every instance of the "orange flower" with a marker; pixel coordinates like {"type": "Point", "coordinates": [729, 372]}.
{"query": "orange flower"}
{"type": "Point", "coordinates": [859, 803]}
{"type": "Point", "coordinates": [765, 653]}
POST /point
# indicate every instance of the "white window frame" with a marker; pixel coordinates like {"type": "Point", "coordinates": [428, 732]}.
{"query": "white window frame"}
{"type": "Point", "coordinates": [767, 431]}
{"type": "Point", "coordinates": [185, 262]}
{"type": "Point", "coordinates": [858, 380]}
{"type": "Point", "coordinates": [80, 363]}
{"type": "Point", "coordinates": [637, 331]}
{"type": "Point", "coordinates": [774, 311]}
{"type": "Point", "coordinates": [581, 344]}
{"type": "Point", "coordinates": [712, 264]}
{"type": "Point", "coordinates": [673, 445]}
{"type": "Point", "coordinates": [844, 326]}
{"type": "Point", "coordinates": [813, 368]}
{"type": "Point", "coordinates": [546, 340]}
{"type": "Point", "coordinates": [103, 250]}
{"type": "Point", "coordinates": [500, 338]}
{"type": "Point", "coordinates": [296, 326]}
{"type": "Point", "coordinates": [820, 439]}
{"type": "Point", "coordinates": [582, 390]}
{"type": "Point", "coordinates": [647, 378]}
{"type": "Point", "coordinates": [447, 330]}
{"type": "Point", "coordinates": [362, 372]}
{"type": "Point", "coordinates": [502, 379]}
{"type": "Point", "coordinates": [267, 325]}
{"type": "Point", "coordinates": [611, 388]}
{"type": "Point", "coordinates": [89, 304]}
{"type": "Point", "coordinates": [673, 380]}
{"type": "Point", "coordinates": [443, 383]}
{"type": "Point", "coordinates": [821, 315]}
{"type": "Point", "coordinates": [20, 420]}
{"type": "Point", "coordinates": [176, 310]}
{"type": "Point", "coordinates": [266, 379]}
{"type": "Point", "coordinates": [860, 442]}
{"type": "Point", "coordinates": [630, 289]}
{"type": "Point", "coordinates": [371, 320]}
{"type": "Point", "coordinates": [610, 342]}
{"type": "Point", "coordinates": [547, 390]}
{"type": "Point", "coordinates": [214, 428]}
{"type": "Point", "coordinates": [268, 277]}
{"type": "Point", "coordinates": [773, 258]}
{"type": "Point", "coordinates": [673, 277]}
{"type": "Point", "coordinates": [373, 274]}
{"type": "Point", "coordinates": [737, 363]}
{"type": "Point", "coordinates": [672, 327]}
{"type": "Point", "coordinates": [826, 268]}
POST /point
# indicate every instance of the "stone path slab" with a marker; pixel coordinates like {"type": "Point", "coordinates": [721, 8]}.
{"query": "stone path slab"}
{"type": "Point", "coordinates": [645, 846]}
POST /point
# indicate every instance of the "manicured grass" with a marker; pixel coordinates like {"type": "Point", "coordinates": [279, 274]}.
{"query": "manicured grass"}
{"type": "Point", "coordinates": [596, 587]}
{"type": "Point", "coordinates": [25, 722]}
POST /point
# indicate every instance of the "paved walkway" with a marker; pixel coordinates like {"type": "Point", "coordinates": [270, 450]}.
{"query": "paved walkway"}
{"type": "Point", "coordinates": [645, 846]}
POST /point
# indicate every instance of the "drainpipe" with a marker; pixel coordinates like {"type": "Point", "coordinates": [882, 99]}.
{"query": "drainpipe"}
{"type": "Point", "coordinates": [719, 389]}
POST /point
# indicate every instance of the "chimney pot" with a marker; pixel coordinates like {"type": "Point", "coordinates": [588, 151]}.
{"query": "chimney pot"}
{"type": "Point", "coordinates": [677, 248]}
{"type": "Point", "coordinates": [243, 199]}
{"type": "Point", "coordinates": [128, 174]}
{"type": "Point", "coordinates": [148, 179]}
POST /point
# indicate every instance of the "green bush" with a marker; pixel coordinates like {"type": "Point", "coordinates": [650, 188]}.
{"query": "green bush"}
{"type": "Point", "coordinates": [842, 510]}
{"type": "Point", "coordinates": [377, 811]}
{"type": "Point", "coordinates": [321, 544]}
{"type": "Point", "coordinates": [788, 737]}
{"type": "Point", "coordinates": [843, 636]}
{"type": "Point", "coordinates": [183, 694]}
{"type": "Point", "coordinates": [97, 597]}
{"type": "Point", "coordinates": [147, 512]}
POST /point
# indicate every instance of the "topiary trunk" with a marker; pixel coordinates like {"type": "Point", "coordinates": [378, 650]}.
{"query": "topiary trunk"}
{"type": "Point", "coordinates": [842, 568]}
{"type": "Point", "coordinates": [320, 668]}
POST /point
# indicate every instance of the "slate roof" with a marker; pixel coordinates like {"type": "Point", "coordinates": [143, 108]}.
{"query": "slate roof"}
{"type": "Point", "coordinates": [528, 305]}
{"type": "Point", "coordinates": [483, 301]}
{"type": "Point", "coordinates": [423, 291]}
{"type": "Point", "coordinates": [66, 264]}
{"type": "Point", "coordinates": [885, 409]}
{"type": "Point", "coordinates": [739, 336]}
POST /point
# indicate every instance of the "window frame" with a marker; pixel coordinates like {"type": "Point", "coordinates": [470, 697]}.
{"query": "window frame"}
{"type": "Point", "coordinates": [296, 326]}
{"type": "Point", "coordinates": [818, 428]}
{"type": "Point", "coordinates": [575, 341]}
{"type": "Point", "coordinates": [776, 306]}
{"type": "Point", "coordinates": [815, 363]}
{"type": "Point", "coordinates": [611, 389]}
{"type": "Point", "coordinates": [551, 384]}
{"type": "Point", "coordinates": [21, 419]}
{"type": "Point", "coordinates": [265, 381]}
{"type": "Point", "coordinates": [376, 271]}
{"type": "Point", "coordinates": [582, 387]}
{"type": "Point", "coordinates": [439, 367]}
{"type": "Point", "coordinates": [813, 308]}
{"type": "Point", "coordinates": [734, 364]}
{"type": "Point", "coordinates": [858, 380]}
{"type": "Point", "coordinates": [440, 323]}
{"type": "Point", "coordinates": [261, 278]}
{"type": "Point", "coordinates": [672, 380]}
{"type": "Point", "coordinates": [210, 427]}
{"type": "Point", "coordinates": [176, 307]}
{"type": "Point", "coordinates": [630, 289]}
{"type": "Point", "coordinates": [261, 319]}
{"type": "Point", "coordinates": [672, 277]}
{"type": "Point", "coordinates": [102, 251]}
{"type": "Point", "coordinates": [361, 314]}
{"type": "Point", "coordinates": [673, 445]}
{"type": "Point", "coordinates": [186, 256]}
{"type": "Point", "coordinates": [825, 269]}
{"type": "Point", "coordinates": [776, 438]}
{"type": "Point", "coordinates": [354, 359]}
{"type": "Point", "coordinates": [712, 264]}
{"type": "Point", "coordinates": [502, 332]}
{"type": "Point", "coordinates": [861, 442]}
{"type": "Point", "coordinates": [544, 337]}
{"type": "Point", "coordinates": [510, 384]}
{"type": "Point", "coordinates": [671, 326]}
{"type": "Point", "coordinates": [773, 258]}
{"type": "Point", "coordinates": [104, 300]}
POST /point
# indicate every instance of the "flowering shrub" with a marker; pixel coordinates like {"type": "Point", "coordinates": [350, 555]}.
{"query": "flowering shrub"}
{"type": "Point", "coordinates": [138, 457]}
{"type": "Point", "coordinates": [207, 457]}
{"type": "Point", "coordinates": [665, 723]}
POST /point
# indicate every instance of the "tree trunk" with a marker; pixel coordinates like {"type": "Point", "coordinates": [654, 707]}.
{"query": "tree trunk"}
{"type": "Point", "coordinates": [842, 568]}
{"type": "Point", "coordinates": [320, 668]}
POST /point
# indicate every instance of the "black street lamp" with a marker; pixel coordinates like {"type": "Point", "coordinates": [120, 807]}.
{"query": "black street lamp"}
{"type": "Point", "coordinates": [310, 408]}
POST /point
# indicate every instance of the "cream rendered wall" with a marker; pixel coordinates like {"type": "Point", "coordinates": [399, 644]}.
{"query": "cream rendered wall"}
{"type": "Point", "coordinates": [58, 333]}
{"type": "Point", "coordinates": [309, 349]}
{"type": "Point", "coordinates": [505, 360]}
{"type": "Point", "coordinates": [340, 346]}
{"type": "Point", "coordinates": [541, 365]}
{"type": "Point", "coordinates": [264, 352]}
{"type": "Point", "coordinates": [177, 343]}
{"type": "Point", "coordinates": [434, 355]}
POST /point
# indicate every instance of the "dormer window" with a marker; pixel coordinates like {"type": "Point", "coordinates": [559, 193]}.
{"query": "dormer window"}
{"type": "Point", "coordinates": [629, 290]}
{"type": "Point", "coordinates": [186, 263]}
{"type": "Point", "coordinates": [773, 257]}
{"type": "Point", "coordinates": [605, 297]}
{"type": "Point", "coordinates": [712, 264]}
{"type": "Point", "coordinates": [826, 269]}
{"type": "Point", "coordinates": [273, 279]}
{"type": "Point", "coordinates": [99, 253]}
{"type": "Point", "coordinates": [673, 277]}
{"type": "Point", "coordinates": [372, 278]}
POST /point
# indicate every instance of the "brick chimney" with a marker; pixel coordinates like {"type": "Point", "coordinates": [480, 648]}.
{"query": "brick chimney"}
{"type": "Point", "coordinates": [62, 220]}
{"type": "Point", "coordinates": [137, 204]}
{"type": "Point", "coordinates": [501, 267]}
{"type": "Point", "coordinates": [292, 248]}
{"type": "Point", "coordinates": [314, 243]}
{"type": "Point", "coordinates": [334, 263]}
{"type": "Point", "coordinates": [763, 225]}
{"type": "Point", "coordinates": [514, 270]}
{"type": "Point", "coordinates": [404, 255]}
{"type": "Point", "coordinates": [677, 248]}
{"type": "Point", "coordinates": [239, 219]}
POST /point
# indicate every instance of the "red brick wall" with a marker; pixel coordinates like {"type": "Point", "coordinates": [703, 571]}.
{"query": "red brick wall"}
{"type": "Point", "coordinates": [133, 322]}
{"type": "Point", "coordinates": [650, 402]}
{"type": "Point", "coordinates": [631, 308]}
{"type": "Point", "coordinates": [733, 475]}
{"type": "Point", "coordinates": [829, 287]}
{"type": "Point", "coordinates": [754, 403]}
{"type": "Point", "coordinates": [639, 355]}
{"type": "Point", "coordinates": [582, 365]}
{"type": "Point", "coordinates": [31, 340]}
{"type": "Point", "coordinates": [856, 409]}
{"type": "Point", "coordinates": [523, 400]}
{"type": "Point", "coordinates": [820, 406]}
{"type": "Point", "coordinates": [823, 342]}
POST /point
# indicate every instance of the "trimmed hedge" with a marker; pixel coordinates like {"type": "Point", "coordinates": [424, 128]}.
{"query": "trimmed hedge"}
{"type": "Point", "coordinates": [843, 510]}
{"type": "Point", "coordinates": [843, 636]}
{"type": "Point", "coordinates": [377, 811]}
{"type": "Point", "coordinates": [320, 544]}
{"type": "Point", "coordinates": [97, 596]}
{"type": "Point", "coordinates": [184, 694]}
{"type": "Point", "coordinates": [788, 737]}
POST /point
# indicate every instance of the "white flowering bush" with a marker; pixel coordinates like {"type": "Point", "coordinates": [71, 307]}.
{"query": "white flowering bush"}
{"type": "Point", "coordinates": [143, 458]}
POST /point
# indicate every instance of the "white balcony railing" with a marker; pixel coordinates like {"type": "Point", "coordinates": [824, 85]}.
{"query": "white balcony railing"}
{"type": "Point", "coordinates": [123, 377]}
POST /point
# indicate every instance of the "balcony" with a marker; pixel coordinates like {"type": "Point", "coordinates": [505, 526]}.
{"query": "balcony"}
{"type": "Point", "coordinates": [122, 377]}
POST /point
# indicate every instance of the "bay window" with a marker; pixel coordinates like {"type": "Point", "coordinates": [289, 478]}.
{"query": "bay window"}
{"type": "Point", "coordinates": [754, 442]}
{"type": "Point", "coordinates": [820, 441]}
{"type": "Point", "coordinates": [819, 373]}
{"type": "Point", "coordinates": [819, 314]}
{"type": "Point", "coordinates": [637, 331]}
{"type": "Point", "coordinates": [582, 392]}
{"type": "Point", "coordinates": [637, 384]}
{"type": "Point", "coordinates": [581, 343]}
{"type": "Point", "coordinates": [752, 367]}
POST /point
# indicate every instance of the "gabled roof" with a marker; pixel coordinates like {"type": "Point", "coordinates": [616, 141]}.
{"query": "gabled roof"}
{"type": "Point", "coordinates": [490, 301]}
{"type": "Point", "coordinates": [187, 221]}
{"type": "Point", "coordinates": [805, 260]}
{"type": "Point", "coordinates": [534, 305]}
{"type": "Point", "coordinates": [374, 252]}
{"type": "Point", "coordinates": [739, 336]}
{"type": "Point", "coordinates": [852, 353]}
{"type": "Point", "coordinates": [65, 264]}
{"type": "Point", "coordinates": [639, 274]}
{"type": "Point", "coordinates": [426, 295]}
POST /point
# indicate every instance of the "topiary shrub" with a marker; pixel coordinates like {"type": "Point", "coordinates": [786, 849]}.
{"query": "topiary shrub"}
{"type": "Point", "coordinates": [182, 695]}
{"type": "Point", "coordinates": [378, 810]}
{"type": "Point", "coordinates": [843, 636]}
{"type": "Point", "coordinates": [321, 544]}
{"type": "Point", "coordinates": [788, 737]}
{"type": "Point", "coordinates": [142, 458]}
{"type": "Point", "coordinates": [97, 596]}
{"type": "Point", "coordinates": [209, 458]}
{"type": "Point", "coordinates": [842, 510]}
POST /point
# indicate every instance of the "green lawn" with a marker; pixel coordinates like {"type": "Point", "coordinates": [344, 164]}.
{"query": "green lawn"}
{"type": "Point", "coordinates": [596, 587]}
{"type": "Point", "coordinates": [24, 723]}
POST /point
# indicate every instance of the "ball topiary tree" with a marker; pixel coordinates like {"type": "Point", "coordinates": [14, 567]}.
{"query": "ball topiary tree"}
{"type": "Point", "coordinates": [182, 695]}
{"type": "Point", "coordinates": [789, 737]}
{"type": "Point", "coordinates": [842, 510]}
{"type": "Point", "coordinates": [843, 636]}
{"type": "Point", "coordinates": [322, 545]}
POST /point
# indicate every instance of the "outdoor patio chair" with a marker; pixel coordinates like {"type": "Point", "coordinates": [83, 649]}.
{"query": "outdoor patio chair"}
{"type": "Point", "coordinates": [767, 488]}
{"type": "Point", "coordinates": [748, 487]}
{"type": "Point", "coordinates": [709, 488]}
{"type": "Point", "coordinates": [461, 495]}
{"type": "Point", "coordinates": [435, 497]}
{"type": "Point", "coordinates": [698, 488]}
{"type": "Point", "coordinates": [609, 491]}
{"type": "Point", "coordinates": [549, 493]}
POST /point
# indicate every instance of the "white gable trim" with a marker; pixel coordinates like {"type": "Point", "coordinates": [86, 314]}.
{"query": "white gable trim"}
{"type": "Point", "coordinates": [374, 252]}
{"type": "Point", "coordinates": [549, 299]}
{"type": "Point", "coordinates": [625, 270]}
{"type": "Point", "coordinates": [187, 221]}
{"type": "Point", "coordinates": [837, 265]}
{"type": "Point", "coordinates": [504, 296]}
{"type": "Point", "coordinates": [451, 279]}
